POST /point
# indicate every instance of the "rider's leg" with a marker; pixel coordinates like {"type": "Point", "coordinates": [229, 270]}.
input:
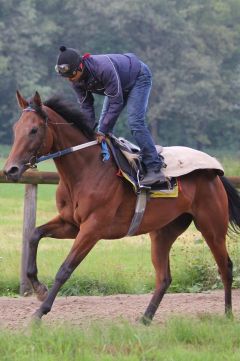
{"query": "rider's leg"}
{"type": "Point", "coordinates": [137, 102]}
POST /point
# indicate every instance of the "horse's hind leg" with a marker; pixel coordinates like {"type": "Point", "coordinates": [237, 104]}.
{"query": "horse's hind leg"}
{"type": "Point", "coordinates": [211, 219]}
{"type": "Point", "coordinates": [56, 228]}
{"type": "Point", "coordinates": [161, 242]}
{"type": "Point", "coordinates": [217, 243]}
{"type": "Point", "coordinates": [225, 267]}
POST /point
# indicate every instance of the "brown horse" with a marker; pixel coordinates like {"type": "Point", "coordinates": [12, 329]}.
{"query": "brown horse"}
{"type": "Point", "coordinates": [94, 203]}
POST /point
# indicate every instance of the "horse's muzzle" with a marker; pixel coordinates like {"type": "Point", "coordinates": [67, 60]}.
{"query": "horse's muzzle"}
{"type": "Point", "coordinates": [14, 172]}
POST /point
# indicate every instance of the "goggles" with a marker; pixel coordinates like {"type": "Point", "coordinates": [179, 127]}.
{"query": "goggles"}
{"type": "Point", "coordinates": [65, 70]}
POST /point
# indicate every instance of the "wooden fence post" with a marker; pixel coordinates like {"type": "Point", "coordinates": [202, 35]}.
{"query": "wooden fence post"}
{"type": "Point", "coordinates": [29, 223]}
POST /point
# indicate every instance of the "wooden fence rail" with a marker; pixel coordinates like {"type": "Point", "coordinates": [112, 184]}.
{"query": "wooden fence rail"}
{"type": "Point", "coordinates": [34, 177]}
{"type": "Point", "coordinates": [31, 179]}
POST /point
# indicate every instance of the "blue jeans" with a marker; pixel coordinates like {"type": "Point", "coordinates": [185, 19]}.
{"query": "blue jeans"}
{"type": "Point", "coordinates": [136, 103]}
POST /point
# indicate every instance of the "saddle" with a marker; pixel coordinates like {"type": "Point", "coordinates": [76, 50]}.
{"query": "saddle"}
{"type": "Point", "coordinates": [128, 159]}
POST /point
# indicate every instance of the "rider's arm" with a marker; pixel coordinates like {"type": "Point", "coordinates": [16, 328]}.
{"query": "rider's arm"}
{"type": "Point", "coordinates": [86, 101]}
{"type": "Point", "coordinates": [113, 90]}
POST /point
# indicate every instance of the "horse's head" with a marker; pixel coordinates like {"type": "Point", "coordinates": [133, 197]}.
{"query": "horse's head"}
{"type": "Point", "coordinates": [31, 137]}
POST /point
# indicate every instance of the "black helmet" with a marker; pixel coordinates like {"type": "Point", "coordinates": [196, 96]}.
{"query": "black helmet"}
{"type": "Point", "coordinates": [68, 62]}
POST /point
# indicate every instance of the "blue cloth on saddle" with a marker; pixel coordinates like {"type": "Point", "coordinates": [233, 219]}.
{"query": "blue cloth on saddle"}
{"type": "Point", "coordinates": [105, 151]}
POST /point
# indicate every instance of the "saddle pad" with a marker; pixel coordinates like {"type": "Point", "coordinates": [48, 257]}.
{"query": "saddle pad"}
{"type": "Point", "coordinates": [184, 160]}
{"type": "Point", "coordinates": [165, 193]}
{"type": "Point", "coordinates": [179, 161]}
{"type": "Point", "coordinates": [156, 191]}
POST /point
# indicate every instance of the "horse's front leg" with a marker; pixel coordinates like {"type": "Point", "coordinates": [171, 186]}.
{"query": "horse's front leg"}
{"type": "Point", "coordinates": [83, 243]}
{"type": "Point", "coordinates": [56, 228]}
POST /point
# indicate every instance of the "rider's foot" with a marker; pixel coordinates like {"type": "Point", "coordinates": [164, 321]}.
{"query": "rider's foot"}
{"type": "Point", "coordinates": [152, 177]}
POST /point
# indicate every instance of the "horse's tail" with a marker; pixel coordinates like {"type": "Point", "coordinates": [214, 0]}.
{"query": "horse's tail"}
{"type": "Point", "coordinates": [233, 204]}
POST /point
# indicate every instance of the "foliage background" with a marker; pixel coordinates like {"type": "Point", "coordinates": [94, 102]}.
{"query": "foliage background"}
{"type": "Point", "coordinates": [191, 46]}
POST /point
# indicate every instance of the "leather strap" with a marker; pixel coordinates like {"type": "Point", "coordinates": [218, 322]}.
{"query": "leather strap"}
{"type": "Point", "coordinates": [139, 212]}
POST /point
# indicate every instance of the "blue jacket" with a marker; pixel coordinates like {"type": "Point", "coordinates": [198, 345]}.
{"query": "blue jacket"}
{"type": "Point", "coordinates": [112, 75]}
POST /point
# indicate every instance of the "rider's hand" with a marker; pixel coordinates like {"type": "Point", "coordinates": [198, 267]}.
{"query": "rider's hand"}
{"type": "Point", "coordinates": [100, 137]}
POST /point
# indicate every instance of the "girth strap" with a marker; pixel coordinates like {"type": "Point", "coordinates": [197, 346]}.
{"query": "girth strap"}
{"type": "Point", "coordinates": [139, 212]}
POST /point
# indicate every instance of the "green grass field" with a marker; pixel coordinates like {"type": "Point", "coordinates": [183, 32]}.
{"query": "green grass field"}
{"type": "Point", "coordinates": [203, 339]}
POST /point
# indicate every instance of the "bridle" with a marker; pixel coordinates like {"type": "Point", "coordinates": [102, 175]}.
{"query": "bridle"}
{"type": "Point", "coordinates": [34, 160]}
{"type": "Point", "coordinates": [38, 110]}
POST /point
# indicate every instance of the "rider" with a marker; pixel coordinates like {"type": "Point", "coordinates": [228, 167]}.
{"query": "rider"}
{"type": "Point", "coordinates": [125, 81]}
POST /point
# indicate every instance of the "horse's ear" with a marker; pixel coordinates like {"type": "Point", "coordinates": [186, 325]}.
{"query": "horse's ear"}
{"type": "Point", "coordinates": [23, 103]}
{"type": "Point", "coordinates": [37, 99]}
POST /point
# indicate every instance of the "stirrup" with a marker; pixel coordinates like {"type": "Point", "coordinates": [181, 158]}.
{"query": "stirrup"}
{"type": "Point", "coordinates": [141, 186]}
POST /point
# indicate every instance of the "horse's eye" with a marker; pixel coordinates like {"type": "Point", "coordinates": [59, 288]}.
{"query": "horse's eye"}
{"type": "Point", "coordinates": [33, 131]}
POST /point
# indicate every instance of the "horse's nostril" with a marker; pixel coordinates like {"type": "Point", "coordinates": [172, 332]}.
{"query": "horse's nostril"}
{"type": "Point", "coordinates": [12, 171]}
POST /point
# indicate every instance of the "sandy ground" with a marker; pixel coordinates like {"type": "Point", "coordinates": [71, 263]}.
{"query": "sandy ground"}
{"type": "Point", "coordinates": [15, 313]}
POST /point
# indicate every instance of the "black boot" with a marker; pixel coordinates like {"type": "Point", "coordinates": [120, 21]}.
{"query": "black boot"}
{"type": "Point", "coordinates": [153, 176]}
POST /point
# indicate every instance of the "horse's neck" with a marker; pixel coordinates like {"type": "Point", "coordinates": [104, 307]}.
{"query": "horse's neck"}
{"type": "Point", "coordinates": [70, 167]}
{"type": "Point", "coordinates": [65, 136]}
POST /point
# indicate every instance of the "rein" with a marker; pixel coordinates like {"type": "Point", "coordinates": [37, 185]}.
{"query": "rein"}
{"type": "Point", "coordinates": [65, 151]}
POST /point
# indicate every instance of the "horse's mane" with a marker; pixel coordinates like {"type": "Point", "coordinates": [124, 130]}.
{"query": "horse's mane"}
{"type": "Point", "coordinates": [71, 113]}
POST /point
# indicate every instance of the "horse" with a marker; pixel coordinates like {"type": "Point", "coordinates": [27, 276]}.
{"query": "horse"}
{"type": "Point", "coordinates": [93, 203]}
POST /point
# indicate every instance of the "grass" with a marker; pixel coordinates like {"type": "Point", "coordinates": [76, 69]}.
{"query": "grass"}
{"type": "Point", "coordinates": [4, 151]}
{"type": "Point", "coordinates": [231, 165]}
{"type": "Point", "coordinates": [208, 339]}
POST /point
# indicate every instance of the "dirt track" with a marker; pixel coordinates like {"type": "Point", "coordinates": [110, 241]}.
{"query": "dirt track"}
{"type": "Point", "coordinates": [16, 312]}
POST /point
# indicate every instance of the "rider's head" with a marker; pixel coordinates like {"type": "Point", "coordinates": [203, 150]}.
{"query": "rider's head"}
{"type": "Point", "coordinates": [68, 62]}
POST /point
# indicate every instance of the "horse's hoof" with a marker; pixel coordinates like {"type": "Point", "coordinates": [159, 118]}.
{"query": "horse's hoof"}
{"type": "Point", "coordinates": [36, 318]}
{"type": "Point", "coordinates": [41, 292]}
{"type": "Point", "coordinates": [229, 314]}
{"type": "Point", "coordinates": [146, 321]}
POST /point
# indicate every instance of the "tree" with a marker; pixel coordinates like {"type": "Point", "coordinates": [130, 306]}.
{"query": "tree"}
{"type": "Point", "coordinates": [191, 46]}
